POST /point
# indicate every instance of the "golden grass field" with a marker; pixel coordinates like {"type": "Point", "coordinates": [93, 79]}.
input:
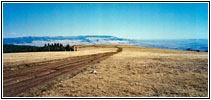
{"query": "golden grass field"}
{"type": "Point", "coordinates": [134, 72]}
{"type": "Point", "coordinates": [12, 59]}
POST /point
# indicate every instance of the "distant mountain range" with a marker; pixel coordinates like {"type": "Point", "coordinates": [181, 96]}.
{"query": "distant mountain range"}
{"type": "Point", "coordinates": [72, 40]}
{"type": "Point", "coordinates": [181, 44]}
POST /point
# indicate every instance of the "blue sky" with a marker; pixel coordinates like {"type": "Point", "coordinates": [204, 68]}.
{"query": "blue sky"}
{"type": "Point", "coordinates": [125, 20]}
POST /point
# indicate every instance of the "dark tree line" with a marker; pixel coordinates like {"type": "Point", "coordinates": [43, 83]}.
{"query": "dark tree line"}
{"type": "Point", "coordinates": [47, 47]}
{"type": "Point", "coordinates": [189, 49]}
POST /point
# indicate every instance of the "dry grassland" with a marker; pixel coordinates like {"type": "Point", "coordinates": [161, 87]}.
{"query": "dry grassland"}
{"type": "Point", "coordinates": [140, 72]}
{"type": "Point", "coordinates": [13, 59]}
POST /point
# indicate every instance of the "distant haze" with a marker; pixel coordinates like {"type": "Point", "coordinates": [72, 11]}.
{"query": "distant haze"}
{"type": "Point", "coordinates": [124, 20]}
{"type": "Point", "coordinates": [181, 44]}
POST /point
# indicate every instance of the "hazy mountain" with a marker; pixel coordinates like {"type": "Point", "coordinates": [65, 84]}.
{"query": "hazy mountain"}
{"type": "Point", "coordinates": [182, 44]}
{"type": "Point", "coordinates": [72, 40]}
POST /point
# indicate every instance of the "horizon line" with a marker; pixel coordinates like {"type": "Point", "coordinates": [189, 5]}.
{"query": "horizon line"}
{"type": "Point", "coordinates": [108, 35]}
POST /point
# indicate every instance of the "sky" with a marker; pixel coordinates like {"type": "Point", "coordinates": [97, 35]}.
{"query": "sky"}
{"type": "Point", "coordinates": [124, 20]}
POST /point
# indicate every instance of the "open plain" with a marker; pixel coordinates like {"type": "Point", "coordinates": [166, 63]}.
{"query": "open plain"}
{"type": "Point", "coordinates": [132, 72]}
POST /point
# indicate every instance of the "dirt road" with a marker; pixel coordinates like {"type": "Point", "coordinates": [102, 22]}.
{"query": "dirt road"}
{"type": "Point", "coordinates": [20, 81]}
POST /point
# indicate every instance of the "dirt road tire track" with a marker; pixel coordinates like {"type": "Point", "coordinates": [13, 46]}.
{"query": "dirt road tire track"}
{"type": "Point", "coordinates": [19, 81]}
